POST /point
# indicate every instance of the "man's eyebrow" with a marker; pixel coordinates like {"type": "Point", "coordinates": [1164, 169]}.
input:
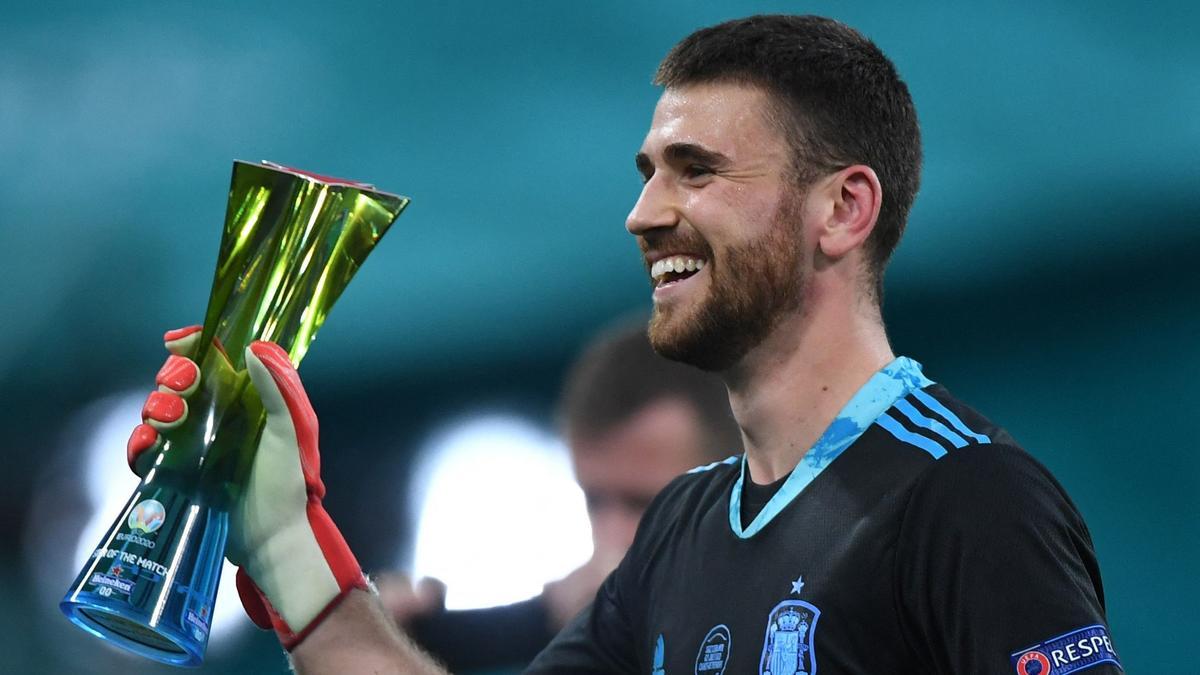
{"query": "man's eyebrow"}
{"type": "Point", "coordinates": [682, 153]}
{"type": "Point", "coordinates": [690, 153]}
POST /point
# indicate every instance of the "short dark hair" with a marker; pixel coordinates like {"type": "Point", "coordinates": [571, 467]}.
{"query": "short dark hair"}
{"type": "Point", "coordinates": [839, 99]}
{"type": "Point", "coordinates": [618, 375]}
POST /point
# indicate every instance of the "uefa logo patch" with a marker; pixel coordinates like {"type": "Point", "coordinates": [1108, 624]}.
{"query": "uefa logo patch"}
{"type": "Point", "coordinates": [1033, 663]}
{"type": "Point", "coordinates": [1067, 653]}
{"type": "Point", "coordinates": [147, 516]}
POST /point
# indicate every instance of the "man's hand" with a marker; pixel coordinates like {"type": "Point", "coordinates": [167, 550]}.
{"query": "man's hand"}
{"type": "Point", "coordinates": [568, 596]}
{"type": "Point", "coordinates": [407, 602]}
{"type": "Point", "coordinates": [296, 573]}
{"type": "Point", "coordinates": [294, 565]}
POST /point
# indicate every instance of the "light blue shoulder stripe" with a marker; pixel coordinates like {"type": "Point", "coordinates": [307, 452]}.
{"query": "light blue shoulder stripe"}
{"type": "Point", "coordinates": [709, 467]}
{"type": "Point", "coordinates": [937, 407]}
{"type": "Point", "coordinates": [892, 383]}
{"type": "Point", "coordinates": [911, 412]}
{"type": "Point", "coordinates": [896, 429]}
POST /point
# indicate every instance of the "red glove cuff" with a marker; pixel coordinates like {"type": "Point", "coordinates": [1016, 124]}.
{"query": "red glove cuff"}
{"type": "Point", "coordinates": [342, 563]}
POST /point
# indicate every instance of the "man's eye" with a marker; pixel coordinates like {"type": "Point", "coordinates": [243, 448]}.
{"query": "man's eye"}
{"type": "Point", "coordinates": [696, 171]}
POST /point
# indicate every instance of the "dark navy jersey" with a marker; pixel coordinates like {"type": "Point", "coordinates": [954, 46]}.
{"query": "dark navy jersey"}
{"type": "Point", "coordinates": [914, 537]}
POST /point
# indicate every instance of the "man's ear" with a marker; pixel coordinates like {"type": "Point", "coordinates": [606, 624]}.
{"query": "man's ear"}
{"type": "Point", "coordinates": [857, 196]}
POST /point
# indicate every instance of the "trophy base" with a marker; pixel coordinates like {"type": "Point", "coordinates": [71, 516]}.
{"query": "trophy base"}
{"type": "Point", "coordinates": [149, 587]}
{"type": "Point", "coordinates": [134, 635]}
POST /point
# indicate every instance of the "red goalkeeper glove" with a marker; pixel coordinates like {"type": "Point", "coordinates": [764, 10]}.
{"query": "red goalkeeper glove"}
{"type": "Point", "coordinates": [294, 565]}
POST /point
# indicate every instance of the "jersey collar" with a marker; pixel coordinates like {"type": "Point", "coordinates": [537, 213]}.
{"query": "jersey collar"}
{"type": "Point", "coordinates": [892, 383]}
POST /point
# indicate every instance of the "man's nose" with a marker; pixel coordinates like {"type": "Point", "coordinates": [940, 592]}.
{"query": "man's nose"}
{"type": "Point", "coordinates": [656, 207]}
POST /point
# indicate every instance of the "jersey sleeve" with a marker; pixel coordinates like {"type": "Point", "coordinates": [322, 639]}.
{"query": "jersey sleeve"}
{"type": "Point", "coordinates": [603, 638]}
{"type": "Point", "coordinates": [598, 640]}
{"type": "Point", "coordinates": [996, 572]}
{"type": "Point", "coordinates": [492, 637]}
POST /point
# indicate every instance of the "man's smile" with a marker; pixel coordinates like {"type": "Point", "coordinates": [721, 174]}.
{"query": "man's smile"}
{"type": "Point", "coordinates": [674, 268]}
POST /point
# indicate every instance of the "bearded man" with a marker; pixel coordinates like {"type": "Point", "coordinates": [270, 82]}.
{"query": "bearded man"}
{"type": "Point", "coordinates": [874, 523]}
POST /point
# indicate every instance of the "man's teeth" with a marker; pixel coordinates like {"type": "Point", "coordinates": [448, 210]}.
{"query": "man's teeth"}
{"type": "Point", "coordinates": [677, 264]}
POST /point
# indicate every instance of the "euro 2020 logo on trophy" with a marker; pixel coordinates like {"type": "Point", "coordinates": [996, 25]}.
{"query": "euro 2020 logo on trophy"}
{"type": "Point", "coordinates": [292, 242]}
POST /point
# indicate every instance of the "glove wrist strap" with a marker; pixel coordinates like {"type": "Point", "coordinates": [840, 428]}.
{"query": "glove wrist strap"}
{"type": "Point", "coordinates": [300, 575]}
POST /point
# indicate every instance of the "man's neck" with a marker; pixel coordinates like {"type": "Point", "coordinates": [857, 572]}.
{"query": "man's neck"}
{"type": "Point", "coordinates": [788, 390]}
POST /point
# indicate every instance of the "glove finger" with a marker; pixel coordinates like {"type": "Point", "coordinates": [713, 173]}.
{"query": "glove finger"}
{"type": "Point", "coordinates": [142, 443]}
{"type": "Point", "coordinates": [179, 375]}
{"type": "Point", "coordinates": [164, 411]}
{"type": "Point", "coordinates": [253, 601]}
{"type": "Point", "coordinates": [166, 408]}
{"type": "Point", "coordinates": [283, 396]}
{"type": "Point", "coordinates": [183, 341]}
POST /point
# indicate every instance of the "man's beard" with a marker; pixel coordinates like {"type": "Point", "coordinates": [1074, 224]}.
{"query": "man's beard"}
{"type": "Point", "coordinates": [751, 289]}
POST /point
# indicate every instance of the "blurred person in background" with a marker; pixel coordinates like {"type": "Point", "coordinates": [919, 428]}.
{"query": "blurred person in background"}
{"type": "Point", "coordinates": [632, 421]}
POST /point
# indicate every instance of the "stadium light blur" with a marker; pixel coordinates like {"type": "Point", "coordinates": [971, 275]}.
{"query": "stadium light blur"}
{"type": "Point", "coordinates": [498, 511]}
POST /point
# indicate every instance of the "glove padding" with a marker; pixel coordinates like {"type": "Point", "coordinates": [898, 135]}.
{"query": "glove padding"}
{"type": "Point", "coordinates": [294, 565]}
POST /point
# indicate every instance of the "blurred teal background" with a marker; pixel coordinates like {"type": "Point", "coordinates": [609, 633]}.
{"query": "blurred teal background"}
{"type": "Point", "coordinates": [1048, 276]}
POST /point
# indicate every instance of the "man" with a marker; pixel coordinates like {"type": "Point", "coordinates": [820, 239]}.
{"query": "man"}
{"type": "Point", "coordinates": [874, 523]}
{"type": "Point", "coordinates": [633, 421]}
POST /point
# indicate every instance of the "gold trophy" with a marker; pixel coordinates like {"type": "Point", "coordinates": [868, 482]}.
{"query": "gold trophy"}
{"type": "Point", "coordinates": [291, 244]}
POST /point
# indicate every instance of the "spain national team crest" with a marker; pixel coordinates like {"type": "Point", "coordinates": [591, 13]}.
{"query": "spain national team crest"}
{"type": "Point", "coordinates": [788, 646]}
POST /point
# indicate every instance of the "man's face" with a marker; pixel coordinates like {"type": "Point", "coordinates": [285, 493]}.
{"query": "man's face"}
{"type": "Point", "coordinates": [623, 469]}
{"type": "Point", "coordinates": [718, 223]}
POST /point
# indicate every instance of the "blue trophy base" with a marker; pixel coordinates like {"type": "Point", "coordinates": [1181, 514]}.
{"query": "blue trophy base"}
{"type": "Point", "coordinates": [150, 585]}
{"type": "Point", "coordinates": [131, 633]}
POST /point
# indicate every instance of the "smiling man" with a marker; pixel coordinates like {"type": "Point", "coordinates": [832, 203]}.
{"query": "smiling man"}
{"type": "Point", "coordinates": [874, 524]}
